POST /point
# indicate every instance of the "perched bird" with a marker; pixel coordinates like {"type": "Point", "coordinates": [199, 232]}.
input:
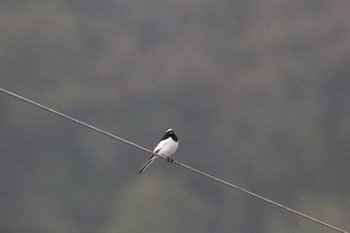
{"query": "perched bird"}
{"type": "Point", "coordinates": [166, 146]}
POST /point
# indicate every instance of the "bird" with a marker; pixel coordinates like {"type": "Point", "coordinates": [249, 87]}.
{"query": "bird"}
{"type": "Point", "coordinates": [166, 146]}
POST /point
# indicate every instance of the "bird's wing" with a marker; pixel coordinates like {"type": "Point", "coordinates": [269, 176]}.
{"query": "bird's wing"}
{"type": "Point", "coordinates": [160, 146]}
{"type": "Point", "coordinates": [155, 151]}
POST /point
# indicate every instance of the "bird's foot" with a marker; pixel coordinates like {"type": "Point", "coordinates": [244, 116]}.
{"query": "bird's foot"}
{"type": "Point", "coordinates": [170, 160]}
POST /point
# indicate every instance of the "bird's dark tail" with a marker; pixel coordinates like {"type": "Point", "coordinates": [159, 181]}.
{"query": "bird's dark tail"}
{"type": "Point", "coordinates": [149, 162]}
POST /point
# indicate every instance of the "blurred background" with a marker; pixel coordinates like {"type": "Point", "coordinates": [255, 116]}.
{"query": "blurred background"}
{"type": "Point", "coordinates": [258, 93]}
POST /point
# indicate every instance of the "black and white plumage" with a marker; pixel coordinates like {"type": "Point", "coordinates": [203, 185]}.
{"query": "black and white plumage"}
{"type": "Point", "coordinates": [167, 147]}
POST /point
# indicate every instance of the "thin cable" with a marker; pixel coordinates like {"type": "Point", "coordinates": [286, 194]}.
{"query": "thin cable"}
{"type": "Point", "coordinates": [175, 162]}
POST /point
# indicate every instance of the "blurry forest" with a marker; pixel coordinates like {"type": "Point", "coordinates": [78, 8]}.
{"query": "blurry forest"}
{"type": "Point", "coordinates": [258, 93]}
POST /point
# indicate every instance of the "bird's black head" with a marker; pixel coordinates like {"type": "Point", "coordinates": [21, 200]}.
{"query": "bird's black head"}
{"type": "Point", "coordinates": [170, 133]}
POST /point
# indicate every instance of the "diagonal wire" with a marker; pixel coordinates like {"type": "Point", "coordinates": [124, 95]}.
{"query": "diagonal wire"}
{"type": "Point", "coordinates": [176, 162]}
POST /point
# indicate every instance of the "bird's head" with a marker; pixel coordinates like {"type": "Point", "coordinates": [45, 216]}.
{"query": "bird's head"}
{"type": "Point", "coordinates": [169, 131]}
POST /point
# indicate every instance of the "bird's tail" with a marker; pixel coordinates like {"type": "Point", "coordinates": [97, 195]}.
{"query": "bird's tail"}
{"type": "Point", "coordinates": [149, 162]}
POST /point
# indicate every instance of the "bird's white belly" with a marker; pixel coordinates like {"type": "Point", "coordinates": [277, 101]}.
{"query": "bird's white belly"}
{"type": "Point", "coordinates": [168, 148]}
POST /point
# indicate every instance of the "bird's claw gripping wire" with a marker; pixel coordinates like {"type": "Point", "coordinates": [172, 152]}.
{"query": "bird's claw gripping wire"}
{"type": "Point", "coordinates": [170, 160]}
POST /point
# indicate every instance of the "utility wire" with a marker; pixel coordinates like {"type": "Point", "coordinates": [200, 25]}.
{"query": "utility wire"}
{"type": "Point", "coordinates": [175, 162]}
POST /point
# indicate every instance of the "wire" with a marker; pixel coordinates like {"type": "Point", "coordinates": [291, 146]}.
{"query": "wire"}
{"type": "Point", "coordinates": [175, 162]}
